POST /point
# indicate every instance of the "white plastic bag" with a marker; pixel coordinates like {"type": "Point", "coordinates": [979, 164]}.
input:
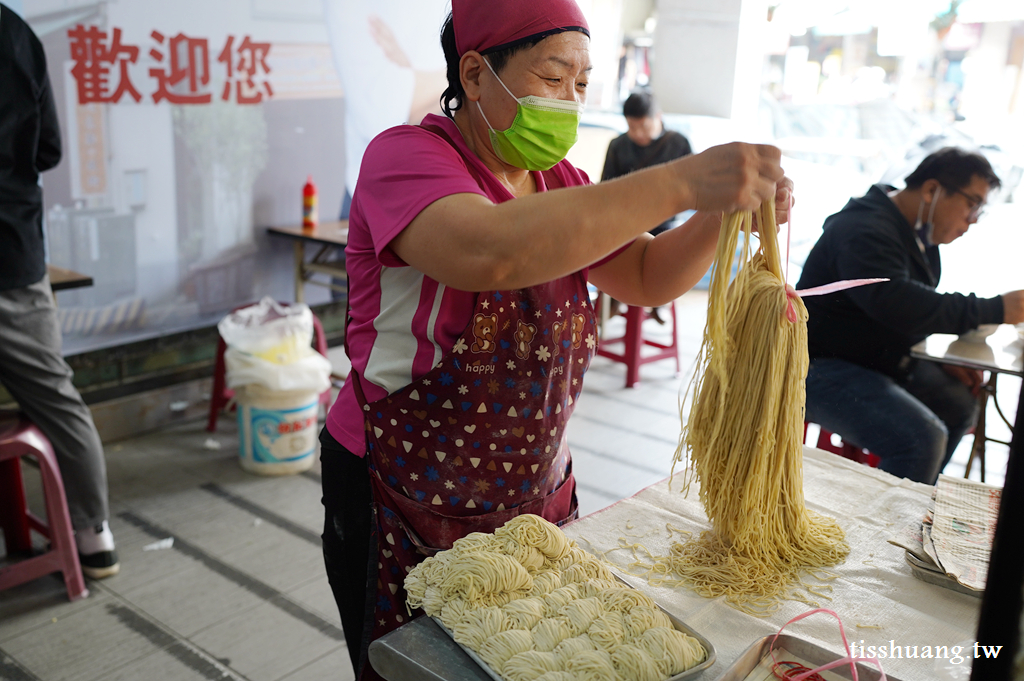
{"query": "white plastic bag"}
{"type": "Point", "coordinates": [275, 332]}
{"type": "Point", "coordinates": [268, 345]}
{"type": "Point", "coordinates": [310, 373]}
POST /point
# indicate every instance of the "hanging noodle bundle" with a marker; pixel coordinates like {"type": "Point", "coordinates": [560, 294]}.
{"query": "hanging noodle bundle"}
{"type": "Point", "coordinates": [533, 605]}
{"type": "Point", "coordinates": [744, 436]}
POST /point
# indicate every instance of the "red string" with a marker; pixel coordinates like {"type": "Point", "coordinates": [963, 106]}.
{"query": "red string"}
{"type": "Point", "coordinates": [793, 668]}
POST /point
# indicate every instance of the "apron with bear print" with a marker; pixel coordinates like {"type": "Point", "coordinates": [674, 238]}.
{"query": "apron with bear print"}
{"type": "Point", "coordinates": [481, 437]}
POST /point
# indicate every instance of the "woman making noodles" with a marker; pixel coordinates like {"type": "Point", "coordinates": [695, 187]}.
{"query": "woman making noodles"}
{"type": "Point", "coordinates": [471, 242]}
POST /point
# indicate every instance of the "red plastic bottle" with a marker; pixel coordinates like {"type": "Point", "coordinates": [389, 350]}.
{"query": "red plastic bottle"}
{"type": "Point", "coordinates": [309, 210]}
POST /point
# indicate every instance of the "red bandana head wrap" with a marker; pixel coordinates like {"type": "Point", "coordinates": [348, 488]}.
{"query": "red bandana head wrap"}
{"type": "Point", "coordinates": [491, 25]}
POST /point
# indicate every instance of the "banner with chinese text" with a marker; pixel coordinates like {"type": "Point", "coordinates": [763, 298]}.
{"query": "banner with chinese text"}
{"type": "Point", "coordinates": [190, 127]}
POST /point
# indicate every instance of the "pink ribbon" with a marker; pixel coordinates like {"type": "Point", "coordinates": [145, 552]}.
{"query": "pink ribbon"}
{"type": "Point", "coordinates": [836, 286]}
{"type": "Point", "coordinates": [849, 659]}
{"type": "Point", "coordinates": [792, 293]}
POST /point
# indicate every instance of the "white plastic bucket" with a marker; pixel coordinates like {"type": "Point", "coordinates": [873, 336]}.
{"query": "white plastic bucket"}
{"type": "Point", "coordinates": [277, 430]}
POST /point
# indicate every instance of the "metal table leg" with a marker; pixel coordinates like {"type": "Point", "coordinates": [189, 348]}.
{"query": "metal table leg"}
{"type": "Point", "coordinates": [300, 275]}
{"type": "Point", "coordinates": [978, 450]}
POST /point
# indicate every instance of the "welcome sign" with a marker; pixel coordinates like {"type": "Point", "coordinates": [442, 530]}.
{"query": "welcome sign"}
{"type": "Point", "coordinates": [189, 127]}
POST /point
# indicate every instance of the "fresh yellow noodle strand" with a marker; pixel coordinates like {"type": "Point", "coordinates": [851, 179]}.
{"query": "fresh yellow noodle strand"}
{"type": "Point", "coordinates": [607, 631]}
{"type": "Point", "coordinates": [624, 599]}
{"type": "Point", "coordinates": [529, 665]}
{"type": "Point", "coordinates": [575, 555]}
{"type": "Point", "coordinates": [475, 541]}
{"type": "Point", "coordinates": [591, 665]}
{"type": "Point", "coordinates": [579, 614]}
{"type": "Point", "coordinates": [453, 612]}
{"type": "Point", "coordinates": [594, 587]}
{"type": "Point", "coordinates": [559, 598]}
{"type": "Point", "coordinates": [532, 530]}
{"type": "Point", "coordinates": [479, 625]}
{"type": "Point", "coordinates": [643, 617]}
{"type": "Point", "coordinates": [533, 605]}
{"type": "Point", "coordinates": [497, 649]}
{"type": "Point", "coordinates": [527, 556]}
{"type": "Point", "coordinates": [433, 600]}
{"type": "Point", "coordinates": [556, 676]}
{"type": "Point", "coordinates": [475, 575]}
{"type": "Point", "coordinates": [550, 633]}
{"type": "Point", "coordinates": [571, 647]}
{"type": "Point", "coordinates": [672, 650]}
{"type": "Point", "coordinates": [545, 582]}
{"type": "Point", "coordinates": [635, 664]}
{"type": "Point", "coordinates": [525, 612]}
{"type": "Point", "coordinates": [744, 436]}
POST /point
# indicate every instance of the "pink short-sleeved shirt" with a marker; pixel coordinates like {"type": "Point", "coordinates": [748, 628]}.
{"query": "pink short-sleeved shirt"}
{"type": "Point", "coordinates": [402, 321]}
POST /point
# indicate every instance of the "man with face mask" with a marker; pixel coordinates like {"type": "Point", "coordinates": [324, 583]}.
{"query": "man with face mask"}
{"type": "Point", "coordinates": [862, 383]}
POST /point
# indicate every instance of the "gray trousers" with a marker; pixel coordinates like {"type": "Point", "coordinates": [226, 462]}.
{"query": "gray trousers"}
{"type": "Point", "coordinates": [36, 375]}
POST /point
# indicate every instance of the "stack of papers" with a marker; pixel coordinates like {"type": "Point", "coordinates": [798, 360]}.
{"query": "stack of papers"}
{"type": "Point", "coordinates": [954, 538]}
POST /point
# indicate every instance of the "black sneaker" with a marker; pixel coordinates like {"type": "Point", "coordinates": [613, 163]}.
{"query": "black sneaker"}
{"type": "Point", "coordinates": [100, 565]}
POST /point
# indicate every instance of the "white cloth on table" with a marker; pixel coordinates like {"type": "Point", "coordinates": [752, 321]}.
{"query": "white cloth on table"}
{"type": "Point", "coordinates": [875, 587]}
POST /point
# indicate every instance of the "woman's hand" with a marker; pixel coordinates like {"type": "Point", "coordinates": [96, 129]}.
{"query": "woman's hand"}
{"type": "Point", "coordinates": [784, 199]}
{"type": "Point", "coordinates": [731, 177]}
{"type": "Point", "coordinates": [783, 196]}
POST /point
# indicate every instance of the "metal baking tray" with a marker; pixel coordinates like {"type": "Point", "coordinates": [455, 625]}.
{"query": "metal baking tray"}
{"type": "Point", "coordinates": [928, 572]}
{"type": "Point", "coordinates": [690, 673]}
{"type": "Point", "coordinates": [811, 654]}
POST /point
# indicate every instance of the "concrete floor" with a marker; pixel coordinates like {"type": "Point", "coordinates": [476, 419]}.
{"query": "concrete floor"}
{"type": "Point", "coordinates": [242, 593]}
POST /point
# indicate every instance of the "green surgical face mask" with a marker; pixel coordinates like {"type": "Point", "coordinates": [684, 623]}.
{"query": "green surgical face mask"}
{"type": "Point", "coordinates": [542, 133]}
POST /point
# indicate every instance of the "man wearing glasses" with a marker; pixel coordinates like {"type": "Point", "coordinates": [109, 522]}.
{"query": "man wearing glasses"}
{"type": "Point", "coordinates": [862, 383]}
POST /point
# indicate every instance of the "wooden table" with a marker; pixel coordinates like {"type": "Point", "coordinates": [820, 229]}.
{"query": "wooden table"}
{"type": "Point", "coordinates": [331, 237]}
{"type": "Point", "coordinates": [999, 353]}
{"type": "Point", "coordinates": [63, 279]}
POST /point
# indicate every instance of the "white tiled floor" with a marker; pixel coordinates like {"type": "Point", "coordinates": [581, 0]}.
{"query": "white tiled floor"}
{"type": "Point", "coordinates": [242, 594]}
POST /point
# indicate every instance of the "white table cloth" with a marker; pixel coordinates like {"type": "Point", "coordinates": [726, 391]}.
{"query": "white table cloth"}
{"type": "Point", "coordinates": [876, 595]}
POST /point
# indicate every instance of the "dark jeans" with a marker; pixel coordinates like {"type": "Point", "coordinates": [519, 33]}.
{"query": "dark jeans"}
{"type": "Point", "coordinates": [912, 425]}
{"type": "Point", "coordinates": [350, 544]}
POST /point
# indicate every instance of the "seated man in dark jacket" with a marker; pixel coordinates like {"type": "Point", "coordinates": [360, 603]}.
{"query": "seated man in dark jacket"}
{"type": "Point", "coordinates": [862, 383]}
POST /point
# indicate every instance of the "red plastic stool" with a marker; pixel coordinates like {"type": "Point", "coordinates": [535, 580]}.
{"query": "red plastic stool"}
{"type": "Point", "coordinates": [843, 449]}
{"type": "Point", "coordinates": [18, 438]}
{"type": "Point", "coordinates": [221, 394]}
{"type": "Point", "coordinates": [634, 341]}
